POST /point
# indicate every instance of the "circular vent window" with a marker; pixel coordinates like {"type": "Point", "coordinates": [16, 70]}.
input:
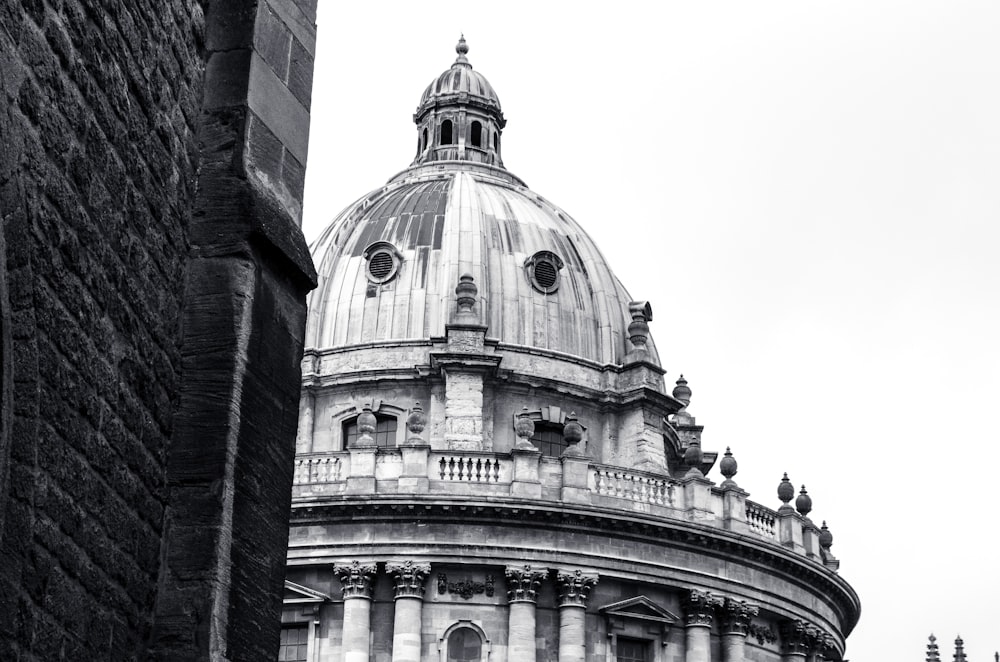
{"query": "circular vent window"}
{"type": "Point", "coordinates": [543, 271]}
{"type": "Point", "coordinates": [383, 261]}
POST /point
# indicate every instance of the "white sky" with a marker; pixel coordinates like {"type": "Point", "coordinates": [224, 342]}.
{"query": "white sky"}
{"type": "Point", "coordinates": [807, 193]}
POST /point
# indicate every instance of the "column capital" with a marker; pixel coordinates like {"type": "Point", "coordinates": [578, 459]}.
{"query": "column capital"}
{"type": "Point", "coordinates": [699, 608]}
{"type": "Point", "coordinates": [800, 637]}
{"type": "Point", "coordinates": [358, 578]}
{"type": "Point", "coordinates": [523, 582]}
{"type": "Point", "coordinates": [409, 577]}
{"type": "Point", "coordinates": [575, 586]}
{"type": "Point", "coordinates": [736, 615]}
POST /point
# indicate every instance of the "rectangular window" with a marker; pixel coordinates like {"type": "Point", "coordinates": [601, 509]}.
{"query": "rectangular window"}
{"type": "Point", "coordinates": [294, 643]}
{"type": "Point", "coordinates": [632, 650]}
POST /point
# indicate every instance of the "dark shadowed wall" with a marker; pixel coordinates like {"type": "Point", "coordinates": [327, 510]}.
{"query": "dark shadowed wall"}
{"type": "Point", "coordinates": [152, 287]}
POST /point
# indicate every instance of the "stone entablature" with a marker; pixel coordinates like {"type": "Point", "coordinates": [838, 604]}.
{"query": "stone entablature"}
{"type": "Point", "coordinates": [573, 481]}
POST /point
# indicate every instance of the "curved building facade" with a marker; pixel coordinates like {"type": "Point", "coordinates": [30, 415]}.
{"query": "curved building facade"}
{"type": "Point", "coordinates": [490, 465]}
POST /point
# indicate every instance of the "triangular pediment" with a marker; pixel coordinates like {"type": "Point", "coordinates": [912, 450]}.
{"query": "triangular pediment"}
{"type": "Point", "coordinates": [298, 594]}
{"type": "Point", "coordinates": [639, 607]}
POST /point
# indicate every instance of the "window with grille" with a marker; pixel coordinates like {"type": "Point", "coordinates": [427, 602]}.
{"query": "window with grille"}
{"type": "Point", "coordinates": [549, 439]}
{"type": "Point", "coordinates": [294, 643]}
{"type": "Point", "coordinates": [632, 650]}
{"type": "Point", "coordinates": [385, 431]}
{"type": "Point", "coordinates": [465, 645]}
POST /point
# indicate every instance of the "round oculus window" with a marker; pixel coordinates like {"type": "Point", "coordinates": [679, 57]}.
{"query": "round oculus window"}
{"type": "Point", "coordinates": [543, 271]}
{"type": "Point", "coordinates": [382, 262]}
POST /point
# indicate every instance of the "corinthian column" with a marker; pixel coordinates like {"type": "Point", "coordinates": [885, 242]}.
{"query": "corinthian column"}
{"type": "Point", "coordinates": [736, 615]}
{"type": "Point", "coordinates": [409, 577]}
{"type": "Point", "coordinates": [522, 591]}
{"type": "Point", "coordinates": [574, 587]}
{"type": "Point", "coordinates": [699, 611]}
{"type": "Point", "coordinates": [358, 579]}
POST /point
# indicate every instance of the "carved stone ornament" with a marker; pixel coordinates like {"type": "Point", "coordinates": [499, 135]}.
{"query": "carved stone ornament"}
{"type": "Point", "coordinates": [736, 615]}
{"type": "Point", "coordinates": [357, 578]}
{"type": "Point", "coordinates": [415, 424]}
{"type": "Point", "coordinates": [465, 588]}
{"type": "Point", "coordinates": [803, 638]}
{"type": "Point", "coordinates": [574, 586]}
{"type": "Point", "coordinates": [409, 577]}
{"type": "Point", "coordinates": [700, 606]}
{"type": "Point", "coordinates": [523, 582]}
{"type": "Point", "coordinates": [525, 429]}
{"type": "Point", "coordinates": [763, 634]}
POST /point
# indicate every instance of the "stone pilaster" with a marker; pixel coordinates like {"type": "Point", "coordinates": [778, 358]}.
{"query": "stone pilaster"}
{"type": "Point", "coordinates": [735, 616]}
{"type": "Point", "coordinates": [699, 613]}
{"type": "Point", "coordinates": [358, 579]}
{"type": "Point", "coordinates": [523, 582]}
{"type": "Point", "coordinates": [409, 577]}
{"type": "Point", "coordinates": [574, 588]}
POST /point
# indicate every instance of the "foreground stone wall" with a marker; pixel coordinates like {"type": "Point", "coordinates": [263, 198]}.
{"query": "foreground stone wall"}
{"type": "Point", "coordinates": [152, 284]}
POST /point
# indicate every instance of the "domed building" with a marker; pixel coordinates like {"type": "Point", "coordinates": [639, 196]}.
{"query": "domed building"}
{"type": "Point", "coordinates": [490, 464]}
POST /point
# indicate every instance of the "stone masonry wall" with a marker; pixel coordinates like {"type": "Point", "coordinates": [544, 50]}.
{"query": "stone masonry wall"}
{"type": "Point", "coordinates": [151, 267]}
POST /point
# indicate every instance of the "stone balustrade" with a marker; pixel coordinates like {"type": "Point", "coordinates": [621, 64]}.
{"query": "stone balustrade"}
{"type": "Point", "coordinates": [422, 471]}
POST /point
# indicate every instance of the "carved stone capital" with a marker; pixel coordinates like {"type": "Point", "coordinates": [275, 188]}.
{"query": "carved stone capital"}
{"type": "Point", "coordinates": [797, 637]}
{"type": "Point", "coordinates": [735, 616]}
{"type": "Point", "coordinates": [357, 578]}
{"type": "Point", "coordinates": [409, 577]}
{"type": "Point", "coordinates": [700, 606]}
{"type": "Point", "coordinates": [523, 582]}
{"type": "Point", "coordinates": [574, 587]}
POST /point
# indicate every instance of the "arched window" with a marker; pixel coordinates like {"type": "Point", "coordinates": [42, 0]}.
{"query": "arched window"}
{"type": "Point", "coordinates": [477, 134]}
{"type": "Point", "coordinates": [549, 439]}
{"type": "Point", "coordinates": [495, 143]}
{"type": "Point", "coordinates": [446, 132]}
{"type": "Point", "coordinates": [424, 143]}
{"type": "Point", "coordinates": [464, 645]}
{"type": "Point", "coordinates": [385, 431]}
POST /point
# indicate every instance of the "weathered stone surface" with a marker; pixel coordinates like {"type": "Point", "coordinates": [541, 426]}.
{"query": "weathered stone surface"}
{"type": "Point", "coordinates": [127, 202]}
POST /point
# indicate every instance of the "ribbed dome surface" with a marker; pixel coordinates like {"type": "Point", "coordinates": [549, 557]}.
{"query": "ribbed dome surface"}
{"type": "Point", "coordinates": [460, 79]}
{"type": "Point", "coordinates": [457, 218]}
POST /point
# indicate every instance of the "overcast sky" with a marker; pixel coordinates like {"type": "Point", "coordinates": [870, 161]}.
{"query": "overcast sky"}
{"type": "Point", "coordinates": [807, 193]}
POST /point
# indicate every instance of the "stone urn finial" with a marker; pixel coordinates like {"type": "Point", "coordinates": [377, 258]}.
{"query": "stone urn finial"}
{"type": "Point", "coordinates": [415, 423]}
{"type": "Point", "coordinates": [727, 467]}
{"type": "Point", "coordinates": [786, 492]}
{"type": "Point", "coordinates": [825, 537]}
{"type": "Point", "coordinates": [693, 458]}
{"type": "Point", "coordinates": [366, 427]}
{"type": "Point", "coordinates": [465, 293]}
{"type": "Point", "coordinates": [572, 434]}
{"type": "Point", "coordinates": [525, 429]}
{"type": "Point", "coordinates": [804, 502]}
{"type": "Point", "coordinates": [682, 392]}
{"type": "Point", "coordinates": [638, 329]}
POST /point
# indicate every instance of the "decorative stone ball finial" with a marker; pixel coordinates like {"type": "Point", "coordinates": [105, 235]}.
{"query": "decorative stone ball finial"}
{"type": "Point", "coordinates": [525, 430]}
{"type": "Point", "coordinates": [366, 427]}
{"type": "Point", "coordinates": [682, 392]}
{"type": "Point", "coordinates": [786, 491]}
{"type": "Point", "coordinates": [804, 502]}
{"type": "Point", "coordinates": [462, 49]}
{"type": "Point", "coordinates": [465, 293]}
{"type": "Point", "coordinates": [572, 434]}
{"type": "Point", "coordinates": [693, 458]}
{"type": "Point", "coordinates": [728, 466]}
{"type": "Point", "coordinates": [416, 422]}
{"type": "Point", "coordinates": [826, 540]}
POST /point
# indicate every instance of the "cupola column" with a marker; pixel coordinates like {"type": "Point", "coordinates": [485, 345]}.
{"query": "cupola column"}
{"type": "Point", "coordinates": [574, 588]}
{"type": "Point", "coordinates": [409, 577]}
{"type": "Point", "coordinates": [735, 622]}
{"type": "Point", "coordinates": [358, 580]}
{"type": "Point", "coordinates": [523, 582]}
{"type": "Point", "coordinates": [699, 613]}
